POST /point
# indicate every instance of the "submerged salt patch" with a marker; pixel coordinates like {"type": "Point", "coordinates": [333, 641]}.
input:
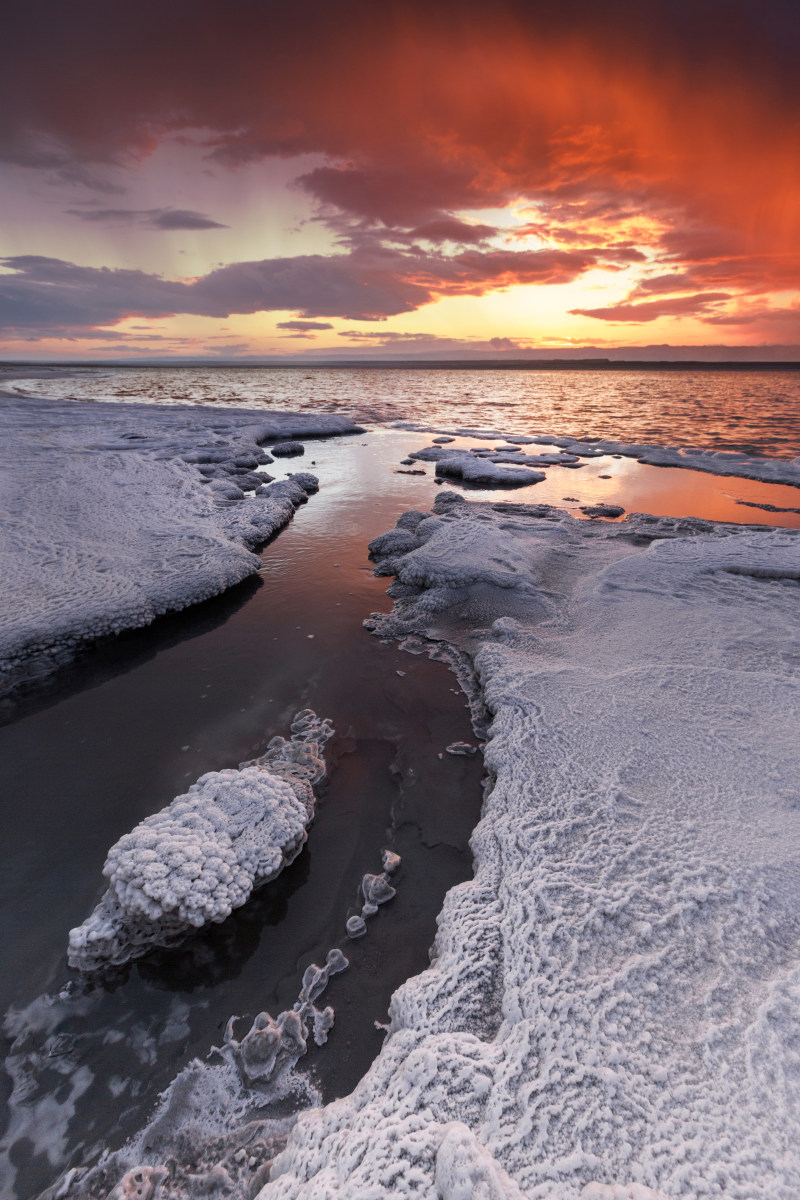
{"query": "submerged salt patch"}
{"type": "Point", "coordinates": [199, 858]}
{"type": "Point", "coordinates": [273, 1046]}
{"type": "Point", "coordinates": [375, 890]}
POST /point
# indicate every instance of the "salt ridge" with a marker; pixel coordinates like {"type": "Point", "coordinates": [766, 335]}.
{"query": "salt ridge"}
{"type": "Point", "coordinates": [716, 462]}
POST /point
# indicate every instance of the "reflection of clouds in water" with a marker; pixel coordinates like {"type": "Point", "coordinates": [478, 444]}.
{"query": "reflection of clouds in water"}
{"type": "Point", "coordinates": [48, 1080]}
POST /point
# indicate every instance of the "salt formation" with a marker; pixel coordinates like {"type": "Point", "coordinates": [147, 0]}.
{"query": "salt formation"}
{"type": "Point", "coordinates": [273, 1046]}
{"type": "Point", "coordinates": [390, 861]}
{"type": "Point", "coordinates": [462, 748]}
{"type": "Point", "coordinates": [479, 469]}
{"type": "Point", "coordinates": [716, 462]}
{"type": "Point", "coordinates": [602, 510]}
{"type": "Point", "coordinates": [221, 1121]}
{"type": "Point", "coordinates": [201, 857]}
{"type": "Point", "coordinates": [613, 1001]}
{"type": "Point", "coordinates": [375, 890]}
{"type": "Point", "coordinates": [129, 511]}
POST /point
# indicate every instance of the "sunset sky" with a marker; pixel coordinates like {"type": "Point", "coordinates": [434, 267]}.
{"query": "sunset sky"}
{"type": "Point", "coordinates": [223, 178]}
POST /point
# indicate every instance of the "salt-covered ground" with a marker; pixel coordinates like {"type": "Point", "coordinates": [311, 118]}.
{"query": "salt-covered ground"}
{"type": "Point", "coordinates": [614, 1003]}
{"type": "Point", "coordinates": [611, 1010]}
{"type": "Point", "coordinates": [113, 515]}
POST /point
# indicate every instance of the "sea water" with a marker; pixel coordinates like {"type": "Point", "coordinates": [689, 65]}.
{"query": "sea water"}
{"type": "Point", "coordinates": [756, 411]}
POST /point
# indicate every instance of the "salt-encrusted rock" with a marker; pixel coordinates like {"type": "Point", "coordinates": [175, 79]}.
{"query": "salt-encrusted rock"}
{"type": "Point", "coordinates": [376, 890]}
{"type": "Point", "coordinates": [391, 861]}
{"type": "Point", "coordinates": [356, 927]}
{"type": "Point", "coordinates": [602, 510]}
{"type": "Point", "coordinates": [308, 482]}
{"type": "Point", "coordinates": [479, 468]}
{"type": "Point", "coordinates": [287, 449]}
{"type": "Point", "coordinates": [201, 857]}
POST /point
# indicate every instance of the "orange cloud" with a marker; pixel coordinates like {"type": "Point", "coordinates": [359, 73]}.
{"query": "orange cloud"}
{"type": "Point", "coordinates": [629, 133]}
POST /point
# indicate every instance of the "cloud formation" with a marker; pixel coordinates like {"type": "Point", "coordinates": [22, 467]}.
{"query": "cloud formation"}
{"type": "Point", "coordinates": [650, 310]}
{"type": "Point", "coordinates": [658, 135]}
{"type": "Point", "coordinates": [148, 218]}
{"type": "Point", "coordinates": [304, 326]}
{"type": "Point", "coordinates": [41, 293]}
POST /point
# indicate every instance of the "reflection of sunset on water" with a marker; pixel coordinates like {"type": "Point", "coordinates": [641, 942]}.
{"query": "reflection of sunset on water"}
{"type": "Point", "coordinates": [637, 487]}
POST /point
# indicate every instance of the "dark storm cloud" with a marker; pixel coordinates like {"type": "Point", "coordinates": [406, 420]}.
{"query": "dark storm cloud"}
{"type": "Point", "coordinates": [680, 113]}
{"type": "Point", "coordinates": [94, 78]}
{"type": "Point", "coordinates": [449, 229]}
{"type": "Point", "coordinates": [399, 197]}
{"type": "Point", "coordinates": [148, 218]}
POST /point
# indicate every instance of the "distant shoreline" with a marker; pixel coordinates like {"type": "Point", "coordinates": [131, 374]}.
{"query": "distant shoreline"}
{"type": "Point", "coordinates": [478, 364]}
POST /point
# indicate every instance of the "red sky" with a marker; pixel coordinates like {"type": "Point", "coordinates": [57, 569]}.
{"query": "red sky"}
{"type": "Point", "coordinates": [231, 179]}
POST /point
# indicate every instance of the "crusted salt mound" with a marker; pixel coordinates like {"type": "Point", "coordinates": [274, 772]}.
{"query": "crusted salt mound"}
{"type": "Point", "coordinates": [716, 462]}
{"type": "Point", "coordinates": [201, 857]}
{"type": "Point", "coordinates": [613, 1001]}
{"type": "Point", "coordinates": [479, 469]}
{"type": "Point", "coordinates": [483, 472]}
{"type": "Point", "coordinates": [113, 514]}
{"type": "Point", "coordinates": [461, 748]}
{"type": "Point", "coordinates": [375, 890]}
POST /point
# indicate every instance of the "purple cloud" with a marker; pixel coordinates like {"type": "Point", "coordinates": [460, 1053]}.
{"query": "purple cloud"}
{"type": "Point", "coordinates": [148, 218]}
{"type": "Point", "coordinates": [303, 326]}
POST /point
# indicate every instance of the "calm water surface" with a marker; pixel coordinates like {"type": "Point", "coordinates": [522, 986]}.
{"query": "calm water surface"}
{"type": "Point", "coordinates": [755, 411]}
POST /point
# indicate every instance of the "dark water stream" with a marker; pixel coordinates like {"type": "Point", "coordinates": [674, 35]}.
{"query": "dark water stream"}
{"type": "Point", "coordinates": [135, 722]}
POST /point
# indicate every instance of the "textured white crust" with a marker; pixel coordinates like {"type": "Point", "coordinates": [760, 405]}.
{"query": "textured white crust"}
{"type": "Point", "coordinates": [717, 462]}
{"type": "Point", "coordinates": [612, 1008]}
{"type": "Point", "coordinates": [199, 858]}
{"type": "Point", "coordinates": [115, 514]}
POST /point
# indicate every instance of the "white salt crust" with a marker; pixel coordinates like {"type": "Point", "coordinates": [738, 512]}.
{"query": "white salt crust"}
{"type": "Point", "coordinates": [717, 462]}
{"type": "Point", "coordinates": [114, 514]}
{"type": "Point", "coordinates": [613, 1005]}
{"type": "Point", "coordinates": [202, 856]}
